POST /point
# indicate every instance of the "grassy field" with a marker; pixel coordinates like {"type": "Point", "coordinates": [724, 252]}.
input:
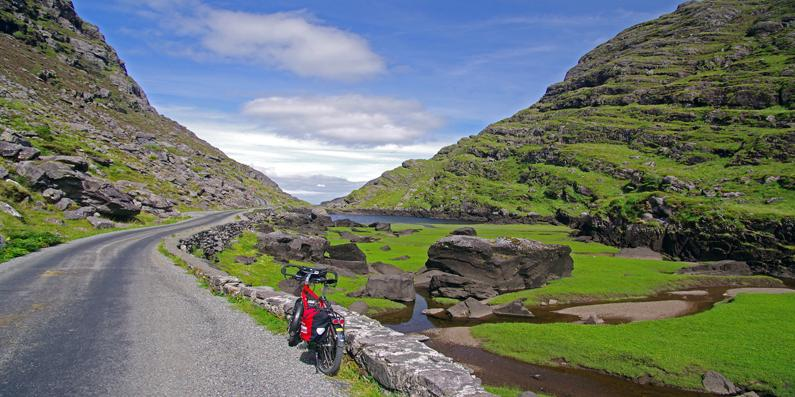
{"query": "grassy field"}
{"type": "Point", "coordinates": [597, 275]}
{"type": "Point", "coordinates": [750, 340]}
{"type": "Point", "coordinates": [266, 271]}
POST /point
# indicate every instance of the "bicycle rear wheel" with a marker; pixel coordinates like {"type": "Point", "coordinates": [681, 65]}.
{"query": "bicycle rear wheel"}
{"type": "Point", "coordinates": [294, 324]}
{"type": "Point", "coordinates": [329, 352]}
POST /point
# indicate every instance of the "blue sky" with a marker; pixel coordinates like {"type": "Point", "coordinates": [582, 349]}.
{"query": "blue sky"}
{"type": "Point", "coordinates": [307, 90]}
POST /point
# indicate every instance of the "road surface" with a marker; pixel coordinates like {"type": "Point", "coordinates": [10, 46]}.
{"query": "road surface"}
{"type": "Point", "coordinates": [109, 315]}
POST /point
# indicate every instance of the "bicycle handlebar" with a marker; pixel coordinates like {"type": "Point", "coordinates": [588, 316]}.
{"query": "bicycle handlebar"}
{"type": "Point", "coordinates": [310, 275]}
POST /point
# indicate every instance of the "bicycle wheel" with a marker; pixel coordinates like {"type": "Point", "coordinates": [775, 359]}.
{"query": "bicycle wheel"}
{"type": "Point", "coordinates": [294, 324]}
{"type": "Point", "coordinates": [328, 353]}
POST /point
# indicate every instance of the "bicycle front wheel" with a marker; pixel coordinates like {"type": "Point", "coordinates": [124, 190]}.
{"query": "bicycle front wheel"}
{"type": "Point", "coordinates": [329, 352]}
{"type": "Point", "coordinates": [294, 324]}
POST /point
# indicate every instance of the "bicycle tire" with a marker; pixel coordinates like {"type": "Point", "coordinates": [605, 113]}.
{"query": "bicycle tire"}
{"type": "Point", "coordinates": [294, 324]}
{"type": "Point", "coordinates": [328, 354]}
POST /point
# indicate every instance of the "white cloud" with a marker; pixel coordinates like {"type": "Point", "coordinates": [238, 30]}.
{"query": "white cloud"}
{"type": "Point", "coordinates": [285, 156]}
{"type": "Point", "coordinates": [291, 41]}
{"type": "Point", "coordinates": [352, 119]}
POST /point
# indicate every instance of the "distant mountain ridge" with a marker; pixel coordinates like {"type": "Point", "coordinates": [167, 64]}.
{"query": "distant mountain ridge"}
{"type": "Point", "coordinates": [65, 92]}
{"type": "Point", "coordinates": [676, 134]}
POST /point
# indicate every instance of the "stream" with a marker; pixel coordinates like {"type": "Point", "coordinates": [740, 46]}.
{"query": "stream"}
{"type": "Point", "coordinates": [494, 369]}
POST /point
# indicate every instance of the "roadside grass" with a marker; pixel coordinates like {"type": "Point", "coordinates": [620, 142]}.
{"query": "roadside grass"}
{"type": "Point", "coordinates": [507, 391]}
{"type": "Point", "coordinates": [266, 271]}
{"type": "Point", "coordinates": [750, 340]}
{"type": "Point", "coordinates": [41, 228]}
{"type": "Point", "coordinates": [271, 322]}
{"type": "Point", "coordinates": [360, 384]}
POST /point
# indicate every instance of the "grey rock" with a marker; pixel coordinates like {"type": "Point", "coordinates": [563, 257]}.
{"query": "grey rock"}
{"type": "Point", "coordinates": [593, 320]}
{"type": "Point", "coordinates": [76, 162]}
{"type": "Point", "coordinates": [504, 264]}
{"type": "Point", "coordinates": [3, 173]}
{"type": "Point", "coordinates": [397, 287]}
{"type": "Point", "coordinates": [53, 174]}
{"type": "Point", "coordinates": [10, 137]}
{"type": "Point", "coordinates": [246, 260]}
{"type": "Point", "coordinates": [719, 268]}
{"type": "Point", "coordinates": [80, 213]}
{"type": "Point", "coordinates": [108, 200]}
{"type": "Point", "coordinates": [465, 231]}
{"type": "Point", "coordinates": [27, 153]}
{"type": "Point", "coordinates": [385, 248]}
{"type": "Point", "coordinates": [436, 312]}
{"type": "Point", "coordinates": [528, 394]}
{"type": "Point", "coordinates": [457, 287]}
{"type": "Point", "coordinates": [381, 226]}
{"type": "Point", "coordinates": [100, 223]}
{"type": "Point", "coordinates": [8, 209]}
{"type": "Point", "coordinates": [52, 195]}
{"type": "Point", "coordinates": [290, 246]}
{"type": "Point", "coordinates": [716, 383]}
{"type": "Point", "coordinates": [349, 268]}
{"type": "Point", "coordinates": [2, 242]}
{"type": "Point", "coordinates": [64, 204]}
{"type": "Point", "coordinates": [346, 252]}
{"type": "Point", "coordinates": [9, 150]}
{"type": "Point", "coordinates": [359, 307]}
{"type": "Point", "coordinates": [471, 308]}
{"type": "Point", "coordinates": [515, 309]}
{"type": "Point", "coordinates": [386, 268]}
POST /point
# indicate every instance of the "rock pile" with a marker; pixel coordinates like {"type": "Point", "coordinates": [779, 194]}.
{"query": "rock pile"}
{"type": "Point", "coordinates": [481, 268]}
{"type": "Point", "coordinates": [215, 239]}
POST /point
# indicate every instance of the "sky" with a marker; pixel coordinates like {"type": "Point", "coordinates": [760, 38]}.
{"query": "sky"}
{"type": "Point", "coordinates": [323, 96]}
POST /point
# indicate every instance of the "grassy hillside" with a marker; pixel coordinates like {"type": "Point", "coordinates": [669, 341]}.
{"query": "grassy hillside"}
{"type": "Point", "coordinates": [693, 108]}
{"type": "Point", "coordinates": [65, 92]}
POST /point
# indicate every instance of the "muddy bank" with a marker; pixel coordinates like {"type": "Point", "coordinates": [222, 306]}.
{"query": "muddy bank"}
{"type": "Point", "coordinates": [561, 382]}
{"type": "Point", "coordinates": [632, 311]}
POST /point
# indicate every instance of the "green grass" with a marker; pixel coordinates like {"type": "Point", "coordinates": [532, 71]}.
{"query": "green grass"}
{"type": "Point", "coordinates": [751, 340]}
{"type": "Point", "coordinates": [360, 383]}
{"type": "Point", "coordinates": [597, 275]}
{"type": "Point", "coordinates": [270, 321]}
{"type": "Point", "coordinates": [507, 391]}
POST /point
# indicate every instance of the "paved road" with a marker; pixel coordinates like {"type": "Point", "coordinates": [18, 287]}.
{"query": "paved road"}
{"type": "Point", "coordinates": [109, 315]}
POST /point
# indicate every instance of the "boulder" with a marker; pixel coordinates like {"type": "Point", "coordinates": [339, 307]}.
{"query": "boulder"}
{"type": "Point", "coordinates": [27, 153]}
{"type": "Point", "coordinates": [385, 268]}
{"type": "Point", "coordinates": [457, 287]}
{"type": "Point", "coordinates": [716, 383]}
{"type": "Point", "coordinates": [3, 173]}
{"type": "Point", "coordinates": [471, 308]}
{"type": "Point", "coordinates": [53, 174]}
{"type": "Point", "coordinates": [465, 231]}
{"type": "Point", "coordinates": [719, 268]}
{"type": "Point", "coordinates": [348, 268]}
{"type": "Point", "coordinates": [80, 213]}
{"type": "Point", "coordinates": [100, 223]}
{"type": "Point", "coordinates": [246, 260]}
{"type": "Point", "coordinates": [9, 150]}
{"type": "Point", "coordinates": [108, 200]}
{"type": "Point", "coordinates": [436, 312]}
{"type": "Point", "coordinates": [359, 307]}
{"type": "Point", "coordinates": [52, 195]}
{"type": "Point", "coordinates": [515, 309]}
{"type": "Point", "coordinates": [346, 252]}
{"type": "Point", "coordinates": [381, 226]}
{"type": "Point", "coordinates": [397, 287]}
{"type": "Point", "coordinates": [76, 162]}
{"type": "Point", "coordinates": [385, 248]}
{"type": "Point", "coordinates": [8, 209]}
{"type": "Point", "coordinates": [504, 264]}
{"type": "Point", "coordinates": [64, 204]}
{"type": "Point", "coordinates": [289, 246]}
{"type": "Point", "coordinates": [405, 232]}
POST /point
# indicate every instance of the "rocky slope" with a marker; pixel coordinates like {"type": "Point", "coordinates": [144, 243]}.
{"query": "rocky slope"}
{"type": "Point", "coordinates": [677, 134]}
{"type": "Point", "coordinates": [78, 132]}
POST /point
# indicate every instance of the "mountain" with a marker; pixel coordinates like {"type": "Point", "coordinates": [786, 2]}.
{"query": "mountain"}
{"type": "Point", "coordinates": [77, 129]}
{"type": "Point", "coordinates": [678, 134]}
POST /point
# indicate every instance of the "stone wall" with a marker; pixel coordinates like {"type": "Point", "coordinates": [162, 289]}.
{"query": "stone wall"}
{"type": "Point", "coordinates": [398, 362]}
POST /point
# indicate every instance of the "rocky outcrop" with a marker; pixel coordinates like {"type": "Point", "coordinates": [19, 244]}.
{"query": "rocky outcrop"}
{"type": "Point", "coordinates": [456, 287]}
{"type": "Point", "coordinates": [503, 264]}
{"type": "Point", "coordinates": [284, 246]}
{"type": "Point", "coordinates": [396, 287]}
{"type": "Point", "coordinates": [470, 308]}
{"type": "Point", "coordinates": [719, 268]}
